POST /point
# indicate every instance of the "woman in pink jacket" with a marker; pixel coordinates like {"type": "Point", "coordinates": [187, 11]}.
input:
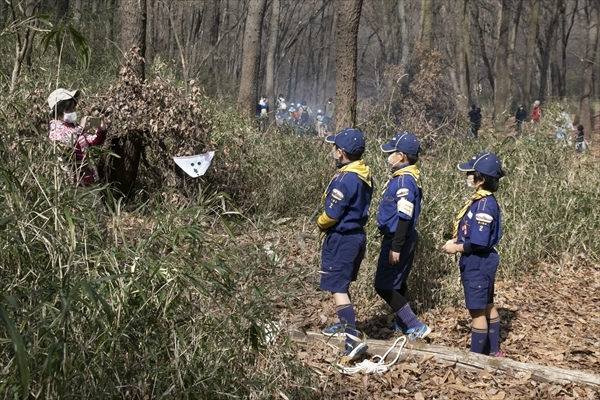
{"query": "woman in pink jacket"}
{"type": "Point", "coordinates": [70, 139]}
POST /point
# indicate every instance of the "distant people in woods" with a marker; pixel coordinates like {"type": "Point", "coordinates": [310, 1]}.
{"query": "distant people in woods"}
{"type": "Point", "coordinates": [329, 111]}
{"type": "Point", "coordinates": [71, 139]}
{"type": "Point", "coordinates": [282, 110]}
{"type": "Point", "coordinates": [579, 139]}
{"type": "Point", "coordinates": [475, 118]}
{"type": "Point", "coordinates": [520, 118]}
{"type": "Point", "coordinates": [563, 124]}
{"type": "Point", "coordinates": [263, 107]}
{"type": "Point", "coordinates": [320, 124]}
{"type": "Point", "coordinates": [536, 115]}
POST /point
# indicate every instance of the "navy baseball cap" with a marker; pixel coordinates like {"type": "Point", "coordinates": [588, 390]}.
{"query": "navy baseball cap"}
{"type": "Point", "coordinates": [348, 139]}
{"type": "Point", "coordinates": [404, 142]}
{"type": "Point", "coordinates": [486, 163]}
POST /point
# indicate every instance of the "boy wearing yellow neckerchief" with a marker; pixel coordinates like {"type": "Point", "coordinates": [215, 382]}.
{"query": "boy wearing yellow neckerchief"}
{"type": "Point", "coordinates": [397, 216]}
{"type": "Point", "coordinates": [346, 206]}
{"type": "Point", "coordinates": [477, 230]}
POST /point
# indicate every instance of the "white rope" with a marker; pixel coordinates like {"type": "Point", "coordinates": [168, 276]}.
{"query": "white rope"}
{"type": "Point", "coordinates": [369, 367]}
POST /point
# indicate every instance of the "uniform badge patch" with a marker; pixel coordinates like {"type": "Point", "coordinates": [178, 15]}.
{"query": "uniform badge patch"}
{"type": "Point", "coordinates": [484, 218]}
{"type": "Point", "coordinates": [337, 194]}
{"type": "Point", "coordinates": [470, 215]}
{"type": "Point", "coordinates": [402, 192]}
{"type": "Point", "coordinates": [406, 207]}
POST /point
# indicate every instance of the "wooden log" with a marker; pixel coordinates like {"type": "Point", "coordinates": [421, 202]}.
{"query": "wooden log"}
{"type": "Point", "coordinates": [462, 359]}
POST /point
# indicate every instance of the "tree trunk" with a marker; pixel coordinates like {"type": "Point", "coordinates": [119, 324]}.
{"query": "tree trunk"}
{"type": "Point", "coordinates": [566, 32]}
{"type": "Point", "coordinates": [501, 68]}
{"type": "Point", "coordinates": [530, 48]}
{"type": "Point", "coordinates": [133, 32]}
{"type": "Point", "coordinates": [481, 41]}
{"type": "Point", "coordinates": [545, 50]}
{"type": "Point", "coordinates": [247, 95]}
{"type": "Point", "coordinates": [271, 50]}
{"type": "Point", "coordinates": [463, 50]}
{"type": "Point", "coordinates": [591, 10]}
{"type": "Point", "coordinates": [23, 42]}
{"type": "Point", "coordinates": [123, 171]}
{"type": "Point", "coordinates": [345, 63]}
{"type": "Point", "coordinates": [426, 25]}
{"type": "Point", "coordinates": [405, 58]}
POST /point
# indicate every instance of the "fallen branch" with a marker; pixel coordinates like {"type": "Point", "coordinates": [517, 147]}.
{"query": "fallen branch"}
{"type": "Point", "coordinates": [467, 360]}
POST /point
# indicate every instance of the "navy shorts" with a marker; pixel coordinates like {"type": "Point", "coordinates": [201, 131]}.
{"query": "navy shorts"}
{"type": "Point", "coordinates": [391, 277]}
{"type": "Point", "coordinates": [341, 256]}
{"type": "Point", "coordinates": [478, 276]}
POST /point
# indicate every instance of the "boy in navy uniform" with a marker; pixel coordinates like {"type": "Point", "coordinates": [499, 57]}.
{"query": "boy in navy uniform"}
{"type": "Point", "coordinates": [477, 230]}
{"type": "Point", "coordinates": [347, 200]}
{"type": "Point", "coordinates": [396, 219]}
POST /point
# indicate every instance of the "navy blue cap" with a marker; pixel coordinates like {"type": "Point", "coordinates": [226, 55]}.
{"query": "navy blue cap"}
{"type": "Point", "coordinates": [404, 142]}
{"type": "Point", "coordinates": [348, 139]}
{"type": "Point", "coordinates": [486, 163]}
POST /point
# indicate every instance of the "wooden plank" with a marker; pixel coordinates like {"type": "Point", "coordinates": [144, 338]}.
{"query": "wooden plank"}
{"type": "Point", "coordinates": [462, 359]}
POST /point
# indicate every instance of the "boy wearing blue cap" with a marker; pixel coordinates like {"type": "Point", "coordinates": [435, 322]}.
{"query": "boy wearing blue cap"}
{"type": "Point", "coordinates": [346, 200]}
{"type": "Point", "coordinates": [477, 230]}
{"type": "Point", "coordinates": [396, 219]}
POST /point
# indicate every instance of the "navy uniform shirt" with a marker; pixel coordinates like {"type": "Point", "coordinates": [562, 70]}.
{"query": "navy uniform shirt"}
{"type": "Point", "coordinates": [347, 200]}
{"type": "Point", "coordinates": [481, 224]}
{"type": "Point", "coordinates": [401, 199]}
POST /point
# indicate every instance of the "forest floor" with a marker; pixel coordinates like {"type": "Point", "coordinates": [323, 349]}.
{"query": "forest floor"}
{"type": "Point", "coordinates": [548, 319]}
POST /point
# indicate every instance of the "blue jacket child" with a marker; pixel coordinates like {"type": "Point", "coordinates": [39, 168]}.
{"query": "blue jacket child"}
{"type": "Point", "coordinates": [397, 216]}
{"type": "Point", "coordinates": [477, 230]}
{"type": "Point", "coordinates": [346, 205]}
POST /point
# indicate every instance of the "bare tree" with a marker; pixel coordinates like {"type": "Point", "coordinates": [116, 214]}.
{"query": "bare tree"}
{"type": "Point", "coordinates": [271, 50]}
{"type": "Point", "coordinates": [345, 63]}
{"type": "Point", "coordinates": [405, 58]}
{"type": "Point", "coordinates": [133, 33]}
{"type": "Point", "coordinates": [530, 48]}
{"type": "Point", "coordinates": [427, 24]}
{"type": "Point", "coordinates": [247, 95]}
{"type": "Point", "coordinates": [23, 10]}
{"type": "Point", "coordinates": [501, 67]}
{"type": "Point", "coordinates": [122, 171]}
{"type": "Point", "coordinates": [592, 14]}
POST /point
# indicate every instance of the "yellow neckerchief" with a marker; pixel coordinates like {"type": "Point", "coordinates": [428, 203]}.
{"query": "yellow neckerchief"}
{"type": "Point", "coordinates": [411, 170]}
{"type": "Point", "coordinates": [359, 168]}
{"type": "Point", "coordinates": [480, 194]}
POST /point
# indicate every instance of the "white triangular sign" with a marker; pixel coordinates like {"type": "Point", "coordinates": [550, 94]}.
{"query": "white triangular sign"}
{"type": "Point", "coordinates": [195, 166]}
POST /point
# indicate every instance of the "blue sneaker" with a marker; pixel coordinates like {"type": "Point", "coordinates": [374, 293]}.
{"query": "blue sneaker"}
{"type": "Point", "coordinates": [354, 351]}
{"type": "Point", "coordinates": [335, 330]}
{"type": "Point", "coordinates": [420, 332]}
{"type": "Point", "coordinates": [399, 327]}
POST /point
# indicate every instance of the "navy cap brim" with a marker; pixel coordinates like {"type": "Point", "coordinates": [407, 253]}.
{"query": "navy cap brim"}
{"type": "Point", "coordinates": [330, 139]}
{"type": "Point", "coordinates": [387, 148]}
{"type": "Point", "coordinates": [466, 167]}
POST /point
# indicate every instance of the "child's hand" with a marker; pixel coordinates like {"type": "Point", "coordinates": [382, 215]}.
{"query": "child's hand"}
{"type": "Point", "coordinates": [394, 258]}
{"type": "Point", "coordinates": [450, 247]}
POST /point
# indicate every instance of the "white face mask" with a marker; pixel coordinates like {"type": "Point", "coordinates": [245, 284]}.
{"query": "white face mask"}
{"type": "Point", "coordinates": [469, 182]}
{"type": "Point", "coordinates": [71, 117]}
{"type": "Point", "coordinates": [389, 160]}
{"type": "Point", "coordinates": [334, 155]}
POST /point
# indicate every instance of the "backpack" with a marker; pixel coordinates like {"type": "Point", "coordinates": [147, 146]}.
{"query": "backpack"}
{"type": "Point", "coordinates": [304, 116]}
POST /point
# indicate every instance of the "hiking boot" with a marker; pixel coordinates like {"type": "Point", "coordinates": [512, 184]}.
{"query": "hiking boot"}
{"type": "Point", "coordinates": [335, 330]}
{"type": "Point", "coordinates": [353, 351]}
{"type": "Point", "coordinates": [498, 354]}
{"type": "Point", "coordinates": [420, 332]}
